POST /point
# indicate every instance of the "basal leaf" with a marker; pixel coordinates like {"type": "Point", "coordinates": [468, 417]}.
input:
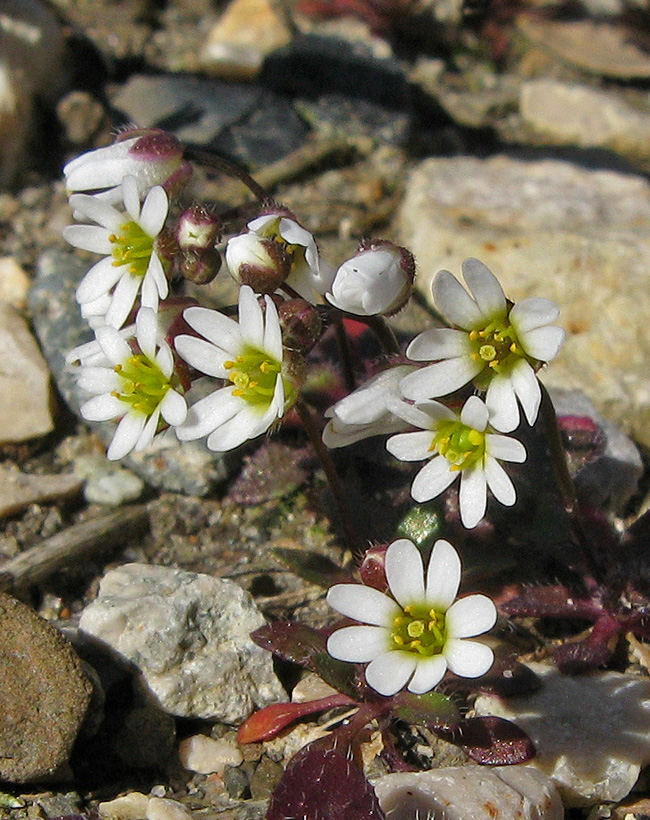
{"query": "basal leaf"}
{"type": "Point", "coordinates": [432, 709]}
{"type": "Point", "coordinates": [291, 641]}
{"type": "Point", "coordinates": [491, 740]}
{"type": "Point", "coordinates": [271, 720]}
{"type": "Point", "coordinates": [339, 674]}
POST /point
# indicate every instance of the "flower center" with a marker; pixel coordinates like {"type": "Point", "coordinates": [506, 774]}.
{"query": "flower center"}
{"type": "Point", "coordinates": [144, 385]}
{"type": "Point", "coordinates": [419, 629]}
{"type": "Point", "coordinates": [463, 446]}
{"type": "Point", "coordinates": [254, 374]}
{"type": "Point", "coordinates": [497, 345]}
{"type": "Point", "coordinates": [132, 247]}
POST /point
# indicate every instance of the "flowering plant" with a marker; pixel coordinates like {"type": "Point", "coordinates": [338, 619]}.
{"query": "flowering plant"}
{"type": "Point", "coordinates": [461, 400]}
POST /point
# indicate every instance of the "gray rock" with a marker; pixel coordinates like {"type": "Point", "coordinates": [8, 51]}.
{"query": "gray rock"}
{"type": "Point", "coordinates": [469, 793]}
{"type": "Point", "coordinates": [554, 230]}
{"type": "Point", "coordinates": [612, 478]}
{"type": "Point", "coordinates": [591, 732]}
{"type": "Point", "coordinates": [189, 467]}
{"type": "Point", "coordinates": [25, 393]}
{"type": "Point", "coordinates": [18, 490]}
{"type": "Point", "coordinates": [188, 636]}
{"type": "Point", "coordinates": [45, 695]}
{"type": "Point", "coordinates": [107, 482]}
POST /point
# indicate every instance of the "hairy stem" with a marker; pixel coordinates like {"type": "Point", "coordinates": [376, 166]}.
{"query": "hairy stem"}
{"type": "Point", "coordinates": [218, 163]}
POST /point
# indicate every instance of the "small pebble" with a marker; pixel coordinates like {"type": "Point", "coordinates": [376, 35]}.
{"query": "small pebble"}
{"type": "Point", "coordinates": [161, 808]}
{"type": "Point", "coordinates": [131, 806]}
{"type": "Point", "coordinates": [206, 755]}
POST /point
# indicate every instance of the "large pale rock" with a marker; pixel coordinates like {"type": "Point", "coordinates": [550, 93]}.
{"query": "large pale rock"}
{"type": "Point", "coordinates": [44, 696]}
{"type": "Point", "coordinates": [187, 634]}
{"type": "Point", "coordinates": [469, 793]}
{"type": "Point", "coordinates": [25, 411]}
{"type": "Point", "coordinates": [554, 230]}
{"type": "Point", "coordinates": [591, 732]}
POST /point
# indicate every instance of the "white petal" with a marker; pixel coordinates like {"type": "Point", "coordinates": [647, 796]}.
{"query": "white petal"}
{"type": "Point", "coordinates": [426, 415]}
{"type": "Point", "coordinates": [98, 380]}
{"type": "Point", "coordinates": [501, 401]}
{"type": "Point", "coordinates": [440, 379]}
{"type": "Point", "coordinates": [148, 432]}
{"type": "Point", "coordinates": [470, 616]}
{"type": "Point", "coordinates": [499, 482]}
{"type": "Point", "coordinates": [89, 237]}
{"type": "Point", "coordinates": [485, 288]}
{"type": "Point", "coordinates": [469, 659]}
{"type": "Point", "coordinates": [93, 208]}
{"type": "Point", "coordinates": [165, 359]}
{"type": "Point", "coordinates": [217, 328]}
{"type": "Point", "coordinates": [543, 343]}
{"type": "Point", "coordinates": [410, 446]}
{"type": "Point", "coordinates": [388, 673]}
{"type": "Point", "coordinates": [126, 436]}
{"type": "Point", "coordinates": [146, 324]}
{"type": "Point", "coordinates": [405, 572]}
{"type": "Point", "coordinates": [113, 344]}
{"type": "Point", "coordinates": [532, 313]}
{"type": "Point", "coordinates": [241, 427]}
{"type": "Point", "coordinates": [438, 343]}
{"type": "Point", "coordinates": [505, 448]}
{"type": "Point", "coordinates": [527, 389]}
{"type": "Point", "coordinates": [154, 211]}
{"type": "Point", "coordinates": [173, 408]}
{"type": "Point", "coordinates": [103, 408]}
{"type": "Point", "coordinates": [454, 302]}
{"type": "Point", "coordinates": [156, 273]}
{"type": "Point", "coordinates": [131, 197]}
{"type": "Point", "coordinates": [203, 356]}
{"type": "Point", "coordinates": [362, 603]}
{"type": "Point", "coordinates": [124, 297]}
{"type": "Point", "coordinates": [272, 343]}
{"type": "Point", "coordinates": [428, 673]}
{"type": "Point", "coordinates": [99, 280]}
{"type": "Point", "coordinates": [208, 413]}
{"type": "Point", "coordinates": [294, 233]}
{"type": "Point", "coordinates": [358, 644]}
{"type": "Point", "coordinates": [443, 576]}
{"type": "Point", "coordinates": [472, 496]}
{"type": "Point", "coordinates": [475, 414]}
{"type": "Point", "coordinates": [432, 480]}
{"type": "Point", "coordinates": [149, 293]}
{"type": "Point", "coordinates": [251, 318]}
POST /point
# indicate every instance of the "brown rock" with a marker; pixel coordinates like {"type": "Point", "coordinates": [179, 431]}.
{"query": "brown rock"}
{"type": "Point", "coordinates": [44, 696]}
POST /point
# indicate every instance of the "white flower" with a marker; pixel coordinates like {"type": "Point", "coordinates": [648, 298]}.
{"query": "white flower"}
{"type": "Point", "coordinates": [378, 280]}
{"type": "Point", "coordinates": [249, 355]}
{"type": "Point", "coordinates": [261, 263]}
{"type": "Point", "coordinates": [498, 345]}
{"type": "Point", "coordinates": [418, 631]}
{"type": "Point", "coordinates": [136, 387]}
{"type": "Point", "coordinates": [310, 276]}
{"type": "Point", "coordinates": [131, 265]}
{"type": "Point", "coordinates": [457, 445]}
{"type": "Point", "coordinates": [151, 157]}
{"type": "Point", "coordinates": [364, 412]}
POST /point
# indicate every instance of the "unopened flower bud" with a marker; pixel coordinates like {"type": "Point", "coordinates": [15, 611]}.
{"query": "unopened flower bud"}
{"type": "Point", "coordinates": [378, 280]}
{"type": "Point", "coordinates": [261, 263]}
{"type": "Point", "coordinates": [198, 229]}
{"type": "Point", "coordinates": [200, 267]}
{"type": "Point", "coordinates": [373, 568]}
{"type": "Point", "coordinates": [301, 324]}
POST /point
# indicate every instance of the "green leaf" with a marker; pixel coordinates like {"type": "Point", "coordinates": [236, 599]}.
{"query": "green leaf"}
{"type": "Point", "coordinates": [311, 566]}
{"type": "Point", "coordinates": [422, 524]}
{"type": "Point", "coordinates": [431, 709]}
{"type": "Point", "coordinates": [339, 674]}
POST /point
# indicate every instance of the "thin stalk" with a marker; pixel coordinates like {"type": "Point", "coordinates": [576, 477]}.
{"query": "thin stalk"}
{"type": "Point", "coordinates": [345, 354]}
{"type": "Point", "coordinates": [354, 542]}
{"type": "Point", "coordinates": [218, 163]}
{"type": "Point", "coordinates": [384, 332]}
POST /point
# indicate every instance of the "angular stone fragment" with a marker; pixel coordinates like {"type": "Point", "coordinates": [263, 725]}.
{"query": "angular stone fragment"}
{"type": "Point", "coordinates": [25, 395]}
{"type": "Point", "coordinates": [469, 793]}
{"type": "Point", "coordinates": [188, 636]}
{"type": "Point", "coordinates": [591, 732]}
{"type": "Point", "coordinates": [43, 696]}
{"type": "Point", "coordinates": [19, 490]}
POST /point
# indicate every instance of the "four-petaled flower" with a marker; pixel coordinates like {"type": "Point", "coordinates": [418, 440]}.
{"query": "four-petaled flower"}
{"type": "Point", "coordinates": [135, 384]}
{"type": "Point", "coordinates": [498, 345]}
{"type": "Point", "coordinates": [247, 354]}
{"type": "Point", "coordinates": [457, 445]}
{"type": "Point", "coordinates": [131, 265]}
{"type": "Point", "coordinates": [416, 631]}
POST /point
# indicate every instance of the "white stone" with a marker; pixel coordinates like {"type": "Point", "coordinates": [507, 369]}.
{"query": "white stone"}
{"type": "Point", "coordinates": [131, 806]}
{"type": "Point", "coordinates": [591, 732]}
{"type": "Point", "coordinates": [162, 808]}
{"type": "Point", "coordinates": [469, 793]}
{"type": "Point", "coordinates": [554, 230]}
{"type": "Point", "coordinates": [14, 282]}
{"type": "Point", "coordinates": [188, 635]}
{"type": "Point", "coordinates": [206, 755]}
{"type": "Point", "coordinates": [25, 395]}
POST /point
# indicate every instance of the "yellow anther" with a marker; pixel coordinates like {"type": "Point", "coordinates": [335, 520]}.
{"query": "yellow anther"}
{"type": "Point", "coordinates": [238, 392]}
{"type": "Point", "coordinates": [493, 363]}
{"type": "Point", "coordinates": [433, 615]}
{"type": "Point", "coordinates": [265, 367]}
{"type": "Point", "coordinates": [473, 335]}
{"type": "Point", "coordinates": [398, 640]}
{"type": "Point", "coordinates": [112, 238]}
{"type": "Point", "coordinates": [513, 347]}
{"type": "Point", "coordinates": [414, 644]}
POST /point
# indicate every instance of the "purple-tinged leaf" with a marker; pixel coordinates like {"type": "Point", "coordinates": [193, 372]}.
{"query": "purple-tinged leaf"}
{"type": "Point", "coordinates": [340, 675]}
{"type": "Point", "coordinates": [595, 650]}
{"type": "Point", "coordinates": [506, 678]}
{"type": "Point", "coordinates": [322, 782]}
{"type": "Point", "coordinates": [271, 720]}
{"type": "Point", "coordinates": [291, 641]}
{"type": "Point", "coordinates": [552, 602]}
{"type": "Point", "coordinates": [583, 440]}
{"type": "Point", "coordinates": [432, 709]}
{"type": "Point", "coordinates": [312, 566]}
{"type": "Point", "coordinates": [637, 622]}
{"type": "Point", "coordinates": [491, 740]}
{"type": "Point", "coordinates": [273, 471]}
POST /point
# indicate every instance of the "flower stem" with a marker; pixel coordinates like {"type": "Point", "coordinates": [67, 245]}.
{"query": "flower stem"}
{"type": "Point", "coordinates": [566, 486]}
{"type": "Point", "coordinates": [343, 344]}
{"type": "Point", "coordinates": [218, 163]}
{"type": "Point", "coordinates": [355, 543]}
{"type": "Point", "coordinates": [384, 332]}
